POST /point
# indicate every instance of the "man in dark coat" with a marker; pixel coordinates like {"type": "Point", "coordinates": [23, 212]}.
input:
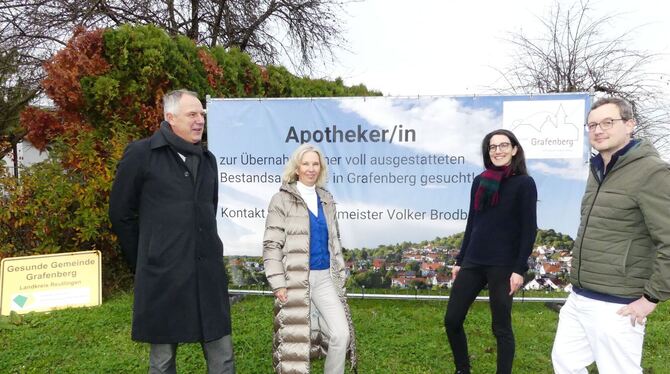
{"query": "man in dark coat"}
{"type": "Point", "coordinates": [163, 210]}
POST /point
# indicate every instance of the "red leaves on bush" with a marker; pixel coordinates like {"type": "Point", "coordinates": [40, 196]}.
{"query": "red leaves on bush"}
{"type": "Point", "coordinates": [83, 56]}
{"type": "Point", "coordinates": [80, 58]}
{"type": "Point", "coordinates": [212, 68]}
{"type": "Point", "coordinates": [41, 125]}
{"type": "Point", "coordinates": [150, 117]}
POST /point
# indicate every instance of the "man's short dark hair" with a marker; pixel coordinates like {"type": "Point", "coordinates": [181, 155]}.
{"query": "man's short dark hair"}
{"type": "Point", "coordinates": [625, 108]}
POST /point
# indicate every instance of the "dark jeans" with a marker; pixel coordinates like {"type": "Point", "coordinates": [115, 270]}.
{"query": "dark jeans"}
{"type": "Point", "coordinates": [470, 280]}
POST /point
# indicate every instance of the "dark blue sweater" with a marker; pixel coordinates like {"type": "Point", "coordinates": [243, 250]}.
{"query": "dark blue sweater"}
{"type": "Point", "coordinates": [502, 235]}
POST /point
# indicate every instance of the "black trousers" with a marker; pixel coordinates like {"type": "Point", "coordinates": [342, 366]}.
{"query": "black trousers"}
{"type": "Point", "coordinates": [470, 281]}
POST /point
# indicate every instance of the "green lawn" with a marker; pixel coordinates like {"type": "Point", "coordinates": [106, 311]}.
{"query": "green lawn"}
{"type": "Point", "coordinates": [393, 337]}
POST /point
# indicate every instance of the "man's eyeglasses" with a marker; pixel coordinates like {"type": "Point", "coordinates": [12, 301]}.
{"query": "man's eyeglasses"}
{"type": "Point", "coordinates": [503, 147]}
{"type": "Point", "coordinates": [605, 124]}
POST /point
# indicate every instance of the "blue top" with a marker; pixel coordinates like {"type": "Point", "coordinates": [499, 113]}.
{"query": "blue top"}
{"type": "Point", "coordinates": [319, 257]}
{"type": "Point", "coordinates": [504, 234]}
{"type": "Point", "coordinates": [601, 296]}
{"type": "Point", "coordinates": [598, 164]}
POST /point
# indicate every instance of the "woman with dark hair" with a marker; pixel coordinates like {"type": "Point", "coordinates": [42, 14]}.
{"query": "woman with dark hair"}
{"type": "Point", "coordinates": [498, 239]}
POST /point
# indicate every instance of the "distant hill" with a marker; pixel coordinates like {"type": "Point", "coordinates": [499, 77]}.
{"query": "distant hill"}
{"type": "Point", "coordinates": [551, 238]}
{"type": "Point", "coordinates": [393, 252]}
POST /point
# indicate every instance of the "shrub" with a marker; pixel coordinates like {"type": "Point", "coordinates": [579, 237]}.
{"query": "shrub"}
{"type": "Point", "coordinates": [107, 88]}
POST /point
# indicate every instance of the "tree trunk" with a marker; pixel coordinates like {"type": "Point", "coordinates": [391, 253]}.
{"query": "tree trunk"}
{"type": "Point", "coordinates": [15, 154]}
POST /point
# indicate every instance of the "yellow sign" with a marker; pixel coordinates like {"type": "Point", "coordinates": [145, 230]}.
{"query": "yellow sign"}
{"type": "Point", "coordinates": [46, 282]}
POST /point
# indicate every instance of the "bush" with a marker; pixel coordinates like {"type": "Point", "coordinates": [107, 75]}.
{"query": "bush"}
{"type": "Point", "coordinates": [107, 88]}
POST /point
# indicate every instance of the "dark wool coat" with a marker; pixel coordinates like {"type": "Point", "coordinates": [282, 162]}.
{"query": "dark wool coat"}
{"type": "Point", "coordinates": [166, 225]}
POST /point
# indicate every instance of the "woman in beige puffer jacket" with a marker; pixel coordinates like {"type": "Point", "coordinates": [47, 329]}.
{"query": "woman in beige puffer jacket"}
{"type": "Point", "coordinates": [311, 311]}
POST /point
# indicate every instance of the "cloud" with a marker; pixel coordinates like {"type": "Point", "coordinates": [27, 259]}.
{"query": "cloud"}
{"type": "Point", "coordinates": [575, 169]}
{"type": "Point", "coordinates": [442, 124]}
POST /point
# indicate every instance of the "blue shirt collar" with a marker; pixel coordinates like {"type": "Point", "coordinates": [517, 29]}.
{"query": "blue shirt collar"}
{"type": "Point", "coordinates": [599, 164]}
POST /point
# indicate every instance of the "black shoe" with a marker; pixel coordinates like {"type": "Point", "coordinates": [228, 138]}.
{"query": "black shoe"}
{"type": "Point", "coordinates": [463, 371]}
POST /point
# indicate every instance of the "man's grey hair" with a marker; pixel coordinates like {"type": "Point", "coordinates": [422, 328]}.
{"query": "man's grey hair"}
{"type": "Point", "coordinates": [171, 101]}
{"type": "Point", "coordinates": [625, 108]}
{"type": "Point", "coordinates": [289, 175]}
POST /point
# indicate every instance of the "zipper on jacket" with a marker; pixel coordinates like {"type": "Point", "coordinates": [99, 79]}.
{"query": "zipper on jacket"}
{"type": "Point", "coordinates": [588, 216]}
{"type": "Point", "coordinates": [600, 182]}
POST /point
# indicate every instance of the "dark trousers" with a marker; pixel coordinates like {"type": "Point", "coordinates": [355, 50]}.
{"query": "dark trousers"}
{"type": "Point", "coordinates": [218, 354]}
{"type": "Point", "coordinates": [469, 282]}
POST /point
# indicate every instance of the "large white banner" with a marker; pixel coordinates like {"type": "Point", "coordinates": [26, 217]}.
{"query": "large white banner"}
{"type": "Point", "coordinates": [400, 169]}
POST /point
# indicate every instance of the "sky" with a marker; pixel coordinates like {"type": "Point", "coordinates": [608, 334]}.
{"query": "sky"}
{"type": "Point", "coordinates": [437, 47]}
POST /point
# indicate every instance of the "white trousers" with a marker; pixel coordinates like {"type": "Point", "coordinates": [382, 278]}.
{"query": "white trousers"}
{"type": "Point", "coordinates": [325, 300]}
{"type": "Point", "coordinates": [591, 330]}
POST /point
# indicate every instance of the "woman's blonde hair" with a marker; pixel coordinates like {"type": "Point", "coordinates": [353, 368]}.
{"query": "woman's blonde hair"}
{"type": "Point", "coordinates": [290, 170]}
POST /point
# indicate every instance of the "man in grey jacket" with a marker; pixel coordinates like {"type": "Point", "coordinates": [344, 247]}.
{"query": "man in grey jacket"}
{"type": "Point", "coordinates": [621, 258]}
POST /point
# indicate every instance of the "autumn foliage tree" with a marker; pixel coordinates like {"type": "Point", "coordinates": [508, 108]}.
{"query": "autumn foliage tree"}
{"type": "Point", "coordinates": [107, 88]}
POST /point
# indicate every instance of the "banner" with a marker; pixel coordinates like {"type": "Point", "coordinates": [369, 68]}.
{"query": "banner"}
{"type": "Point", "coordinates": [400, 169]}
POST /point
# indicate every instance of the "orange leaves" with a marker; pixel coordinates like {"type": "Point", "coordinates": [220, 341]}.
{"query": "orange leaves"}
{"type": "Point", "coordinates": [80, 58]}
{"type": "Point", "coordinates": [42, 126]}
{"type": "Point", "coordinates": [83, 56]}
{"type": "Point", "coordinates": [212, 68]}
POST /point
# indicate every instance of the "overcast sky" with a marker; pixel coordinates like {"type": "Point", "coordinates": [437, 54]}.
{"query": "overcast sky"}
{"type": "Point", "coordinates": [436, 47]}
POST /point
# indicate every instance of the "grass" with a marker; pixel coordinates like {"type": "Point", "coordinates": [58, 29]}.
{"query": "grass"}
{"type": "Point", "coordinates": [392, 337]}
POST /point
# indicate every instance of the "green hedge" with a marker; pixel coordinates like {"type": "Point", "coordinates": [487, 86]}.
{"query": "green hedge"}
{"type": "Point", "coordinates": [107, 87]}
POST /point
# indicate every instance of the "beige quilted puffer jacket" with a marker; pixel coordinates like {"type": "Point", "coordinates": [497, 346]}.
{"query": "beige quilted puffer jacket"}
{"type": "Point", "coordinates": [286, 258]}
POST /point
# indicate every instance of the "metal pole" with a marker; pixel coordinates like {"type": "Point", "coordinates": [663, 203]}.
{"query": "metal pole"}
{"type": "Point", "coordinates": [406, 296]}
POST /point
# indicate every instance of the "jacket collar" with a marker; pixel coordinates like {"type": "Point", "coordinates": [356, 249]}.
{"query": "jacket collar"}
{"type": "Point", "coordinates": [157, 140]}
{"type": "Point", "coordinates": [598, 163]}
{"type": "Point", "coordinates": [632, 152]}
{"type": "Point", "coordinates": [324, 195]}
